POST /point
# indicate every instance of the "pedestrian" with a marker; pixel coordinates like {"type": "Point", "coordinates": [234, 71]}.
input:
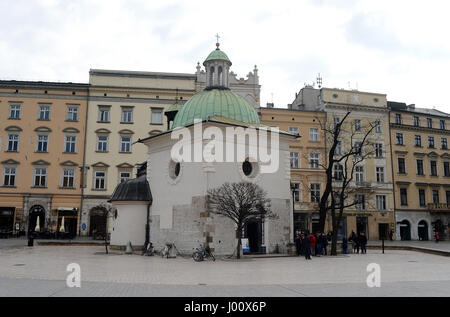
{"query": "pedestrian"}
{"type": "Point", "coordinates": [363, 242]}
{"type": "Point", "coordinates": [318, 244]}
{"type": "Point", "coordinates": [344, 245]}
{"type": "Point", "coordinates": [324, 243]}
{"type": "Point", "coordinates": [307, 247]}
{"type": "Point", "coordinates": [391, 234]}
{"type": "Point", "coordinates": [297, 244]}
{"type": "Point", "coordinates": [436, 236]}
{"type": "Point", "coordinates": [313, 241]}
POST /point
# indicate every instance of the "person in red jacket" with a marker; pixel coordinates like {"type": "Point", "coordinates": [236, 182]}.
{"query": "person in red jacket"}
{"type": "Point", "coordinates": [313, 244]}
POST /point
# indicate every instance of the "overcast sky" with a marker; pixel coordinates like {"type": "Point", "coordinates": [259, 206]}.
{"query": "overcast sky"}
{"type": "Point", "coordinates": [400, 47]}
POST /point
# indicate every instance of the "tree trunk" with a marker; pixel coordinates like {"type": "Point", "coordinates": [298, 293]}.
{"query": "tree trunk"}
{"type": "Point", "coordinates": [334, 233]}
{"type": "Point", "coordinates": [238, 248]}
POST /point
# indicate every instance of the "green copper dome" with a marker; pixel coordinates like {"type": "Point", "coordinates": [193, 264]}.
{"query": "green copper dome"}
{"type": "Point", "coordinates": [217, 54]}
{"type": "Point", "coordinates": [216, 103]}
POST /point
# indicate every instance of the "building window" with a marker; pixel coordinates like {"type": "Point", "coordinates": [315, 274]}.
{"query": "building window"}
{"type": "Point", "coordinates": [398, 118]}
{"type": "Point", "coordinates": [156, 116]}
{"type": "Point", "coordinates": [435, 193]}
{"type": "Point", "coordinates": [72, 114]}
{"type": "Point", "coordinates": [14, 111]}
{"type": "Point", "coordinates": [42, 143]}
{"type": "Point", "coordinates": [401, 165]}
{"type": "Point", "coordinates": [359, 174]}
{"type": "Point", "coordinates": [416, 121]}
{"type": "Point", "coordinates": [420, 167]}
{"type": "Point", "coordinates": [9, 176]}
{"type": "Point", "coordinates": [315, 193]}
{"type": "Point", "coordinates": [444, 144]}
{"type": "Point", "coordinates": [360, 202]}
{"type": "Point", "coordinates": [418, 140]}
{"type": "Point", "coordinates": [314, 160]}
{"type": "Point", "coordinates": [447, 195]}
{"type": "Point", "coordinates": [380, 174]}
{"type": "Point", "coordinates": [378, 150]}
{"type": "Point", "coordinates": [378, 126]}
{"type": "Point", "coordinates": [357, 147]}
{"type": "Point", "coordinates": [293, 130]}
{"type": "Point", "coordinates": [127, 115]}
{"type": "Point", "coordinates": [70, 144]}
{"type": "Point", "coordinates": [431, 142]}
{"type": "Point", "coordinates": [433, 168]}
{"type": "Point", "coordinates": [338, 150]}
{"type": "Point", "coordinates": [336, 121]}
{"type": "Point", "coordinates": [68, 179]}
{"type": "Point", "coordinates": [429, 123]}
{"type": "Point", "coordinates": [125, 144]}
{"type": "Point", "coordinates": [313, 134]}
{"type": "Point", "coordinates": [99, 180]}
{"type": "Point", "coordinates": [44, 112]}
{"type": "Point", "coordinates": [13, 143]}
{"type": "Point", "coordinates": [403, 197]}
{"type": "Point", "coordinates": [103, 114]}
{"type": "Point", "coordinates": [399, 138]}
{"type": "Point", "coordinates": [102, 143]}
{"type": "Point", "coordinates": [40, 177]}
{"type": "Point", "coordinates": [296, 189]}
{"type": "Point", "coordinates": [442, 124]}
{"type": "Point", "coordinates": [446, 169]}
{"type": "Point", "coordinates": [294, 159]}
{"type": "Point", "coordinates": [357, 125]}
{"type": "Point", "coordinates": [381, 202]}
{"type": "Point", "coordinates": [338, 172]}
{"type": "Point", "coordinates": [124, 176]}
{"type": "Point", "coordinates": [422, 201]}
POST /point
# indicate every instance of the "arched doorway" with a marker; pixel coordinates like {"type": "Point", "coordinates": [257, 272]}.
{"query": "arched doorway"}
{"type": "Point", "coordinates": [422, 230]}
{"type": "Point", "coordinates": [97, 222]}
{"type": "Point", "coordinates": [405, 230]}
{"type": "Point", "coordinates": [35, 212]}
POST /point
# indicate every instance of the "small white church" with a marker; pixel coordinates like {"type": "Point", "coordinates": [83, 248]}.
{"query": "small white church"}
{"type": "Point", "coordinates": [167, 203]}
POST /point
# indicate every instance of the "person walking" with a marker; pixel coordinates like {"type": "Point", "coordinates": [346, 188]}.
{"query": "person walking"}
{"type": "Point", "coordinates": [324, 243]}
{"type": "Point", "coordinates": [353, 239]}
{"type": "Point", "coordinates": [391, 234]}
{"type": "Point", "coordinates": [313, 241]}
{"type": "Point", "coordinates": [298, 244]}
{"type": "Point", "coordinates": [306, 243]}
{"type": "Point", "coordinates": [436, 236]}
{"type": "Point", "coordinates": [318, 244]}
{"type": "Point", "coordinates": [363, 242]}
{"type": "Point", "coordinates": [344, 245]}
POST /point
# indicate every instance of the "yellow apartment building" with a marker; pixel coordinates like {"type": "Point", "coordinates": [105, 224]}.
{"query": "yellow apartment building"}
{"type": "Point", "coordinates": [374, 213]}
{"type": "Point", "coordinates": [124, 106]}
{"type": "Point", "coordinates": [41, 152]}
{"type": "Point", "coordinates": [306, 155]}
{"type": "Point", "coordinates": [421, 169]}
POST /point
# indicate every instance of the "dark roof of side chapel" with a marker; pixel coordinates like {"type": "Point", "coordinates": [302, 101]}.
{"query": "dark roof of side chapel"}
{"type": "Point", "coordinates": [136, 189]}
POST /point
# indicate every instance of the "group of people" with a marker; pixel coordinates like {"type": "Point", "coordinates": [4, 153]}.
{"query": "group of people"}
{"type": "Point", "coordinates": [358, 242]}
{"type": "Point", "coordinates": [312, 244]}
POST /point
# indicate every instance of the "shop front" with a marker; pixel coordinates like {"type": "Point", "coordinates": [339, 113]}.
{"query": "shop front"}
{"type": "Point", "coordinates": [67, 223]}
{"type": "Point", "coordinates": [6, 221]}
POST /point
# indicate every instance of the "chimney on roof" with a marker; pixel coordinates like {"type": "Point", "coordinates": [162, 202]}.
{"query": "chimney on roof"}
{"type": "Point", "coordinates": [412, 106]}
{"type": "Point", "coordinates": [270, 105]}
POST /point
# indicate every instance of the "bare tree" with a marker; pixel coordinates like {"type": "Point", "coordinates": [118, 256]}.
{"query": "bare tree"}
{"type": "Point", "coordinates": [106, 211]}
{"type": "Point", "coordinates": [239, 202]}
{"type": "Point", "coordinates": [340, 168]}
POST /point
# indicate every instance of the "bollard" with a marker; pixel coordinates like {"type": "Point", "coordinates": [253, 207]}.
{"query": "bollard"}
{"type": "Point", "coordinates": [129, 249]}
{"type": "Point", "coordinates": [30, 241]}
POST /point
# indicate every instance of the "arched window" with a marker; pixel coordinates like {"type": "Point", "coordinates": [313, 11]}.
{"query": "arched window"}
{"type": "Point", "coordinates": [220, 76]}
{"type": "Point", "coordinates": [211, 76]}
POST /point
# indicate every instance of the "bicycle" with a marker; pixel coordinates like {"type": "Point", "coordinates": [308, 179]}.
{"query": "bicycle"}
{"type": "Point", "coordinates": [201, 253]}
{"type": "Point", "coordinates": [169, 251]}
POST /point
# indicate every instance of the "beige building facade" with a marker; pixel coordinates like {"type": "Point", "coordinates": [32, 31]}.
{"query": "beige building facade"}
{"type": "Point", "coordinates": [372, 185]}
{"type": "Point", "coordinates": [421, 170]}
{"type": "Point", "coordinates": [41, 152]}
{"type": "Point", "coordinates": [307, 155]}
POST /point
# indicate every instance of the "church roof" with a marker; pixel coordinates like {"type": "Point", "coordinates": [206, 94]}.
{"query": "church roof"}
{"type": "Point", "coordinates": [216, 102]}
{"type": "Point", "coordinates": [217, 54]}
{"type": "Point", "coordinates": [136, 189]}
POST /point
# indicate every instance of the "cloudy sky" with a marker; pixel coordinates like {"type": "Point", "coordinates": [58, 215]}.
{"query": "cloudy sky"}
{"type": "Point", "coordinates": [399, 47]}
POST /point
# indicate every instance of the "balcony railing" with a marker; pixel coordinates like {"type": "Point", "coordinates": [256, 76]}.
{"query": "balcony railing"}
{"type": "Point", "coordinates": [439, 207]}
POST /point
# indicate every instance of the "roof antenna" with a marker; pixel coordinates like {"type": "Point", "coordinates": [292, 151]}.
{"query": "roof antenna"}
{"type": "Point", "coordinates": [319, 81]}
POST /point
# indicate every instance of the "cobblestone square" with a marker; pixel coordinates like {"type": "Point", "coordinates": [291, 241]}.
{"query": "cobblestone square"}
{"type": "Point", "coordinates": [42, 271]}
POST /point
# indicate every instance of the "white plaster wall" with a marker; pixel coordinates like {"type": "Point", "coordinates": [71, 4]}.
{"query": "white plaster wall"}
{"type": "Point", "coordinates": [129, 224]}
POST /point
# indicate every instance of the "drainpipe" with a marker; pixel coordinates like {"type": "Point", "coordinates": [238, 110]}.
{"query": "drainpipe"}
{"type": "Point", "coordinates": [392, 173]}
{"type": "Point", "coordinates": [147, 228]}
{"type": "Point", "coordinates": [83, 167]}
